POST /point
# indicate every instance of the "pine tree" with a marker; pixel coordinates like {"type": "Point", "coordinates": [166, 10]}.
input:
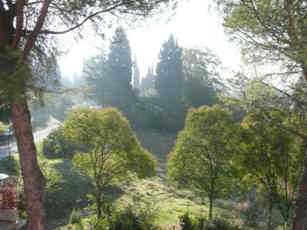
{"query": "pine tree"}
{"type": "Point", "coordinates": [118, 88]}
{"type": "Point", "coordinates": [169, 85]}
{"type": "Point", "coordinates": [170, 77]}
{"type": "Point", "coordinates": [136, 74]}
{"type": "Point", "coordinates": [149, 81]}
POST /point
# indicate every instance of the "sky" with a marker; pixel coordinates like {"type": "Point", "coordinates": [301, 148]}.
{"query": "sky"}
{"type": "Point", "coordinates": [194, 25]}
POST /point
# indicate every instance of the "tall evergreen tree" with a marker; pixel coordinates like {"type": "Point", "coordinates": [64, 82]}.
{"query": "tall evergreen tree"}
{"type": "Point", "coordinates": [169, 85]}
{"type": "Point", "coordinates": [136, 74]}
{"type": "Point", "coordinates": [118, 89]}
{"type": "Point", "coordinates": [149, 81]}
{"type": "Point", "coordinates": [170, 77]}
{"type": "Point", "coordinates": [94, 74]}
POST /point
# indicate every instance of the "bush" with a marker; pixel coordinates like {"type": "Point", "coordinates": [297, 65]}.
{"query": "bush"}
{"type": "Point", "coordinates": [189, 223]}
{"type": "Point", "coordinates": [220, 224]}
{"type": "Point", "coordinates": [127, 219]}
{"type": "Point", "coordinates": [186, 222]}
{"type": "Point", "coordinates": [10, 165]}
{"type": "Point", "coordinates": [56, 145]}
{"type": "Point", "coordinates": [75, 217]}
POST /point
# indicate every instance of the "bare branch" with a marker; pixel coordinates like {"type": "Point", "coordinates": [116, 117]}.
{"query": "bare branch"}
{"type": "Point", "coordinates": [81, 23]}
{"type": "Point", "coordinates": [19, 23]}
{"type": "Point", "coordinates": [41, 19]}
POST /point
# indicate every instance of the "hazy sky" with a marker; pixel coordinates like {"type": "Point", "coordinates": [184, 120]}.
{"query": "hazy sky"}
{"type": "Point", "coordinates": [193, 25]}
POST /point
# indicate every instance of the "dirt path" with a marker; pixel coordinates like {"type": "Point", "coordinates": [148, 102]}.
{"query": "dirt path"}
{"type": "Point", "coordinates": [5, 150]}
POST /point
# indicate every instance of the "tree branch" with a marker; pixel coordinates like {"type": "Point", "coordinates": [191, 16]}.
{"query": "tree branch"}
{"type": "Point", "coordinates": [41, 19]}
{"type": "Point", "coordinates": [285, 93]}
{"type": "Point", "coordinates": [81, 23]}
{"type": "Point", "coordinates": [279, 125]}
{"type": "Point", "coordinates": [9, 3]}
{"type": "Point", "coordinates": [19, 23]}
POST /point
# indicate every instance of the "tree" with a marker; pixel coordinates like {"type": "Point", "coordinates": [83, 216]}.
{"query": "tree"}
{"type": "Point", "coordinates": [149, 81]}
{"type": "Point", "coordinates": [169, 85]}
{"type": "Point", "coordinates": [276, 110]}
{"type": "Point", "coordinates": [201, 82]}
{"type": "Point", "coordinates": [118, 88]}
{"type": "Point", "coordinates": [269, 160]}
{"type": "Point", "coordinates": [26, 32]}
{"type": "Point", "coordinates": [94, 74]}
{"type": "Point", "coordinates": [276, 32]}
{"type": "Point", "coordinates": [203, 152]}
{"type": "Point", "coordinates": [113, 149]}
{"type": "Point", "coordinates": [136, 74]}
{"type": "Point", "coordinates": [169, 70]}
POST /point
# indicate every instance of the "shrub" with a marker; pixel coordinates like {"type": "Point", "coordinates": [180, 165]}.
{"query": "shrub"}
{"type": "Point", "coordinates": [75, 217]}
{"type": "Point", "coordinates": [127, 219]}
{"type": "Point", "coordinates": [56, 145]}
{"type": "Point", "coordinates": [189, 223]}
{"type": "Point", "coordinates": [186, 222]}
{"type": "Point", "coordinates": [10, 165]}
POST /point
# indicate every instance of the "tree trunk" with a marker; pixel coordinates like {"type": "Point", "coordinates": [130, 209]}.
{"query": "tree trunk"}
{"type": "Point", "coordinates": [99, 207]}
{"type": "Point", "coordinates": [300, 218]}
{"type": "Point", "coordinates": [32, 176]}
{"type": "Point", "coordinates": [210, 206]}
{"type": "Point", "coordinates": [269, 224]}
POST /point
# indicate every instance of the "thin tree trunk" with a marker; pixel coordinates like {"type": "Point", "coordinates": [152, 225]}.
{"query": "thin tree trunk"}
{"type": "Point", "coordinates": [300, 219]}
{"type": "Point", "coordinates": [32, 176]}
{"type": "Point", "coordinates": [99, 207]}
{"type": "Point", "coordinates": [269, 224]}
{"type": "Point", "coordinates": [210, 206]}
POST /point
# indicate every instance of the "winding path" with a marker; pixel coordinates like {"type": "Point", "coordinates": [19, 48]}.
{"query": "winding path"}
{"type": "Point", "coordinates": [38, 136]}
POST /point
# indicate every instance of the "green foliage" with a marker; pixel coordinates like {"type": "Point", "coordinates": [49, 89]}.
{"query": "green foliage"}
{"type": "Point", "coordinates": [256, 24]}
{"type": "Point", "coordinates": [113, 153]}
{"type": "Point", "coordinates": [3, 127]}
{"type": "Point", "coordinates": [65, 188]}
{"type": "Point", "coordinates": [10, 165]}
{"type": "Point", "coordinates": [75, 217]}
{"type": "Point", "coordinates": [201, 75]}
{"type": "Point", "coordinates": [186, 223]}
{"type": "Point", "coordinates": [149, 81]}
{"type": "Point", "coordinates": [5, 114]}
{"type": "Point", "coordinates": [54, 106]}
{"type": "Point", "coordinates": [270, 160]}
{"type": "Point", "coordinates": [169, 85]}
{"type": "Point", "coordinates": [189, 223]}
{"type": "Point", "coordinates": [56, 145]}
{"type": "Point", "coordinates": [110, 78]}
{"type": "Point", "coordinates": [202, 156]}
{"type": "Point", "coordinates": [109, 137]}
{"type": "Point", "coordinates": [126, 219]}
{"type": "Point", "coordinates": [169, 80]}
{"type": "Point", "coordinates": [221, 224]}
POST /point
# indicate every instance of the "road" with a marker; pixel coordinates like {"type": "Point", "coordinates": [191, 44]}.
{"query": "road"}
{"type": "Point", "coordinates": [38, 136]}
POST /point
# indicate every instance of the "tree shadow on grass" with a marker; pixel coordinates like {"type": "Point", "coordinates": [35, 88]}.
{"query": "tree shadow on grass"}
{"type": "Point", "coordinates": [69, 190]}
{"type": "Point", "coordinates": [66, 189]}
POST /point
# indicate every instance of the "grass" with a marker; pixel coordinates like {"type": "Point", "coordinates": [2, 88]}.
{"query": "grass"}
{"type": "Point", "coordinates": [171, 203]}
{"type": "Point", "coordinates": [66, 190]}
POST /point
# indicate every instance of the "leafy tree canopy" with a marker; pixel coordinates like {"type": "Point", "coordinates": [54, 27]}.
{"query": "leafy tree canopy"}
{"type": "Point", "coordinates": [202, 155]}
{"type": "Point", "coordinates": [202, 80]}
{"type": "Point", "coordinates": [107, 133]}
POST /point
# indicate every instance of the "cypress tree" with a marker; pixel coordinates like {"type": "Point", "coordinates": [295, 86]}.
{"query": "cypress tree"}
{"type": "Point", "coordinates": [118, 88]}
{"type": "Point", "coordinates": [170, 77]}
